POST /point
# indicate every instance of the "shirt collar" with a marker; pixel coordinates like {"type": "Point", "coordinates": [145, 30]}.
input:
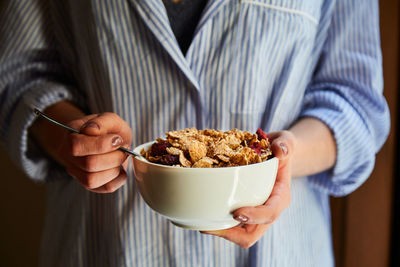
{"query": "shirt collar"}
{"type": "Point", "coordinates": [154, 15]}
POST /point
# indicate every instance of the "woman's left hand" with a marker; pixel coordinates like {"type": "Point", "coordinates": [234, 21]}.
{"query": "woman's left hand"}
{"type": "Point", "coordinates": [256, 220]}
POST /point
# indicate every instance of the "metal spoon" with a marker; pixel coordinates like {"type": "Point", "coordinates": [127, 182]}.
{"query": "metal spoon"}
{"type": "Point", "coordinates": [41, 114]}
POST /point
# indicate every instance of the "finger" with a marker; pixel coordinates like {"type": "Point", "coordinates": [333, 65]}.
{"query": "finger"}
{"type": "Point", "coordinates": [274, 135]}
{"type": "Point", "coordinates": [105, 123]}
{"type": "Point", "coordinates": [235, 234]}
{"type": "Point", "coordinates": [280, 149]}
{"type": "Point", "coordinates": [273, 207]}
{"type": "Point", "coordinates": [244, 236]}
{"type": "Point", "coordinates": [77, 124]}
{"type": "Point", "coordinates": [113, 185]}
{"type": "Point", "coordinates": [264, 214]}
{"type": "Point", "coordinates": [282, 143]}
{"type": "Point", "coordinates": [100, 162]}
{"type": "Point", "coordinates": [83, 145]}
{"type": "Point", "coordinates": [93, 180]}
{"type": "Point", "coordinates": [126, 162]}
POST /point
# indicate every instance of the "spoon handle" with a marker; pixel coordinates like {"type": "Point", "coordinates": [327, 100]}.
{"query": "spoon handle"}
{"type": "Point", "coordinates": [41, 114]}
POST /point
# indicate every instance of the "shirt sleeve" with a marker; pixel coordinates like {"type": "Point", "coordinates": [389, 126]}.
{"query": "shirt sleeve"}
{"type": "Point", "coordinates": [346, 94]}
{"type": "Point", "coordinates": [31, 75]}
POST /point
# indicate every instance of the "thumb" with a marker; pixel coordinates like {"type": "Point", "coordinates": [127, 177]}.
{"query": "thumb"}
{"type": "Point", "coordinates": [104, 123]}
{"type": "Point", "coordinates": [282, 144]}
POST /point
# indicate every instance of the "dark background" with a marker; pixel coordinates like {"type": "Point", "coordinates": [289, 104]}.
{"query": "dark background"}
{"type": "Point", "coordinates": [366, 224]}
{"type": "Point", "coordinates": [363, 222]}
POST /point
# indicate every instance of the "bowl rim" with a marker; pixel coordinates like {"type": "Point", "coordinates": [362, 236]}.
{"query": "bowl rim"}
{"type": "Point", "coordinates": [144, 160]}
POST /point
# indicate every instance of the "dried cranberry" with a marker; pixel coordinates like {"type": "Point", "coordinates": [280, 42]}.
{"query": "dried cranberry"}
{"type": "Point", "coordinates": [256, 146]}
{"type": "Point", "coordinates": [261, 134]}
{"type": "Point", "coordinates": [158, 149]}
{"type": "Point", "coordinates": [170, 159]}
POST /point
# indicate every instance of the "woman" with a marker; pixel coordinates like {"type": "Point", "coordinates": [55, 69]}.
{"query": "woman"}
{"type": "Point", "coordinates": [307, 72]}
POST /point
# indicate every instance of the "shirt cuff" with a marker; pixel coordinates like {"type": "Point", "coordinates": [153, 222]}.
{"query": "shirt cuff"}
{"type": "Point", "coordinates": [356, 143]}
{"type": "Point", "coordinates": [36, 164]}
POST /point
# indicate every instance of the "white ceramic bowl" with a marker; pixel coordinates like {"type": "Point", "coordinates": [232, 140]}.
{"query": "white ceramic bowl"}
{"type": "Point", "coordinates": [203, 198]}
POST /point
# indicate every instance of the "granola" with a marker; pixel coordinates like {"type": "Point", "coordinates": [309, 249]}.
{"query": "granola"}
{"type": "Point", "coordinates": [209, 148]}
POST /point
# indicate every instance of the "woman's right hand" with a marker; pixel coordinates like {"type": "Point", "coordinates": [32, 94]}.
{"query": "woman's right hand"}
{"type": "Point", "coordinates": [92, 156]}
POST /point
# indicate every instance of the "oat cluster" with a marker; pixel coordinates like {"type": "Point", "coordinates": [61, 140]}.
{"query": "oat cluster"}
{"type": "Point", "coordinates": [209, 148]}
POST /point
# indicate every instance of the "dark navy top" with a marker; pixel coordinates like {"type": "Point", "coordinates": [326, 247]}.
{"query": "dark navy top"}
{"type": "Point", "coordinates": [183, 17]}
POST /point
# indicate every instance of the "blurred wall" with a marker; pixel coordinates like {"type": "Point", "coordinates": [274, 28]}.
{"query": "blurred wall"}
{"type": "Point", "coordinates": [22, 210]}
{"type": "Point", "coordinates": [362, 221]}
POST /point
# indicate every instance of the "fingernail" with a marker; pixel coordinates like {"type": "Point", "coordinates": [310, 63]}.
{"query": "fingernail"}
{"type": "Point", "coordinates": [283, 148]}
{"type": "Point", "coordinates": [116, 141]}
{"type": "Point", "coordinates": [241, 218]}
{"type": "Point", "coordinates": [91, 125]}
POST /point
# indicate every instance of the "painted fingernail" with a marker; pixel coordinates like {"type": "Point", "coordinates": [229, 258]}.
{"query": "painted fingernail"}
{"type": "Point", "coordinates": [116, 141]}
{"type": "Point", "coordinates": [241, 218]}
{"type": "Point", "coordinates": [284, 148]}
{"type": "Point", "coordinates": [91, 125]}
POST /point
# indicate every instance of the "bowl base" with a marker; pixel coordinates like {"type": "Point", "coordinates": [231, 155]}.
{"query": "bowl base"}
{"type": "Point", "coordinates": [207, 227]}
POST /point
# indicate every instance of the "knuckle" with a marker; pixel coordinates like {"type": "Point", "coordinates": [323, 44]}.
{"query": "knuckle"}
{"type": "Point", "coordinates": [116, 172]}
{"type": "Point", "coordinates": [90, 163]}
{"type": "Point", "coordinates": [273, 217]}
{"type": "Point", "coordinates": [287, 134]}
{"type": "Point", "coordinates": [113, 186]}
{"type": "Point", "coordinates": [123, 159]}
{"type": "Point", "coordinates": [126, 127]}
{"type": "Point", "coordinates": [88, 180]}
{"type": "Point", "coordinates": [290, 138]}
{"type": "Point", "coordinates": [103, 145]}
{"type": "Point", "coordinates": [110, 187]}
{"type": "Point", "coordinates": [246, 243]}
{"type": "Point", "coordinates": [269, 220]}
{"type": "Point", "coordinates": [75, 146]}
{"type": "Point", "coordinates": [112, 115]}
{"type": "Point", "coordinates": [76, 124]}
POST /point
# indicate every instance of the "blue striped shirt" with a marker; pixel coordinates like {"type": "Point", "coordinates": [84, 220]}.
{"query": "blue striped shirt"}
{"type": "Point", "coordinates": [252, 63]}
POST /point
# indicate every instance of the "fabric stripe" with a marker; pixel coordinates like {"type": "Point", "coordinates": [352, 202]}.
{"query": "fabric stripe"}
{"type": "Point", "coordinates": [252, 63]}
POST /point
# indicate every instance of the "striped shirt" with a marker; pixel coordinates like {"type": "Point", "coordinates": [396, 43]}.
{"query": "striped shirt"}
{"type": "Point", "coordinates": [251, 63]}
